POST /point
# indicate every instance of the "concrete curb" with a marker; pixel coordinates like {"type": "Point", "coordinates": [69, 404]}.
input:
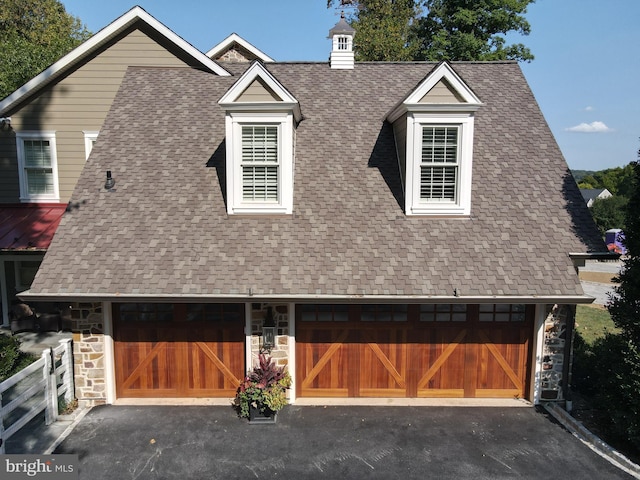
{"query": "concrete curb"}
{"type": "Point", "coordinates": [592, 441]}
{"type": "Point", "coordinates": [78, 416]}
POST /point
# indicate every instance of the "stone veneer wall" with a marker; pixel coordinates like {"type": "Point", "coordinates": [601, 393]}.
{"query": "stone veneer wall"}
{"type": "Point", "coordinates": [88, 353]}
{"type": "Point", "coordinates": [236, 55]}
{"type": "Point", "coordinates": [280, 352]}
{"type": "Point", "coordinates": [555, 356]}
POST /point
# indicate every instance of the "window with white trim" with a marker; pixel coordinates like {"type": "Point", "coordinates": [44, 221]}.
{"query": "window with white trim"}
{"type": "Point", "coordinates": [37, 165]}
{"type": "Point", "coordinates": [439, 162]}
{"type": "Point", "coordinates": [260, 163]}
{"type": "Point", "coordinates": [344, 42]}
{"type": "Point", "coordinates": [433, 128]}
{"type": "Point", "coordinates": [89, 141]}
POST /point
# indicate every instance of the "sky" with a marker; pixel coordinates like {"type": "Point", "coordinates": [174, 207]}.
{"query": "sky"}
{"type": "Point", "coordinates": [585, 75]}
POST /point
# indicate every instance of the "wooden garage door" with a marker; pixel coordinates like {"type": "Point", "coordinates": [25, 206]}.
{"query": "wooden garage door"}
{"type": "Point", "coordinates": [413, 350]}
{"type": "Point", "coordinates": [178, 350]}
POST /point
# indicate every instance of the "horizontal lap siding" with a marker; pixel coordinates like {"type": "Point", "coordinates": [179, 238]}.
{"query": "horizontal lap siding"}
{"type": "Point", "coordinates": [78, 102]}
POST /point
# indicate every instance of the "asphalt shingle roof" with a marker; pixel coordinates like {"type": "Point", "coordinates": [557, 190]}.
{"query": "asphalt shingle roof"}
{"type": "Point", "coordinates": [165, 231]}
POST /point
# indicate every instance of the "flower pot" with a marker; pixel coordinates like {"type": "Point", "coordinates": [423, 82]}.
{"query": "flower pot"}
{"type": "Point", "coordinates": [265, 417]}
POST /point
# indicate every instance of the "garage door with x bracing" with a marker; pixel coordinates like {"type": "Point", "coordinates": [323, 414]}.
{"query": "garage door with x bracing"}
{"type": "Point", "coordinates": [178, 350]}
{"type": "Point", "coordinates": [413, 350]}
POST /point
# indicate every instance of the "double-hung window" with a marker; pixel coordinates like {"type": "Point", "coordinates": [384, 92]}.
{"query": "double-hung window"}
{"type": "Point", "coordinates": [439, 162]}
{"type": "Point", "coordinates": [433, 129]}
{"type": "Point", "coordinates": [260, 163]}
{"type": "Point", "coordinates": [260, 121]}
{"type": "Point", "coordinates": [37, 166]}
{"type": "Point", "coordinates": [439, 165]}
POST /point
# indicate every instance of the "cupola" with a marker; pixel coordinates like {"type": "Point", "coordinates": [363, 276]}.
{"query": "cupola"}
{"type": "Point", "coordinates": [342, 44]}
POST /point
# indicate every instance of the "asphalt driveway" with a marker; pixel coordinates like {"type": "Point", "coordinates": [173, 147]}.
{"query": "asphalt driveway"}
{"type": "Point", "coordinates": [195, 442]}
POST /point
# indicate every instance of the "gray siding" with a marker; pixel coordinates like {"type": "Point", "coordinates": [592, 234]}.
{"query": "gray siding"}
{"type": "Point", "coordinates": [79, 102]}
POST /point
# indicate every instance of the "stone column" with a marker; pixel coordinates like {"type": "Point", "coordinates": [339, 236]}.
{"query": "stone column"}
{"type": "Point", "coordinates": [88, 354]}
{"type": "Point", "coordinates": [556, 353]}
{"type": "Point", "coordinates": [280, 352]}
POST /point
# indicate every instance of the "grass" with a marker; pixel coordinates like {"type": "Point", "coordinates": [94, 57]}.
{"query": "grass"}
{"type": "Point", "coordinates": [592, 322]}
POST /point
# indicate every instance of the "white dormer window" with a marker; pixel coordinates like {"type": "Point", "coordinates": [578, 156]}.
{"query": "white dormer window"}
{"type": "Point", "coordinates": [260, 163]}
{"type": "Point", "coordinates": [438, 169]}
{"type": "Point", "coordinates": [260, 128]}
{"type": "Point", "coordinates": [433, 128]}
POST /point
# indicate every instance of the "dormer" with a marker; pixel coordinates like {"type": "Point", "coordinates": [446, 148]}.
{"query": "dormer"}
{"type": "Point", "coordinates": [260, 121]}
{"type": "Point", "coordinates": [236, 49]}
{"type": "Point", "coordinates": [433, 129]}
{"type": "Point", "coordinates": [341, 36]}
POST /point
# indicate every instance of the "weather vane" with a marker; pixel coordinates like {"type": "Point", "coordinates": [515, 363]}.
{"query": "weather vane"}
{"type": "Point", "coordinates": [342, 4]}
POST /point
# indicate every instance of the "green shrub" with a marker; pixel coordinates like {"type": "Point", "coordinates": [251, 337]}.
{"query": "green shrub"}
{"type": "Point", "coordinates": [12, 360]}
{"type": "Point", "coordinates": [608, 371]}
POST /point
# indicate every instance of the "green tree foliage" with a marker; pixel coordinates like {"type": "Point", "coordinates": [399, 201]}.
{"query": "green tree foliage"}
{"type": "Point", "coordinates": [437, 30]}
{"type": "Point", "coordinates": [12, 359]}
{"type": "Point", "coordinates": [618, 180]}
{"type": "Point", "coordinates": [473, 30]}
{"type": "Point", "coordinates": [384, 30]}
{"type": "Point", "coordinates": [609, 212]}
{"type": "Point", "coordinates": [33, 35]}
{"type": "Point", "coordinates": [609, 370]}
{"type": "Point", "coordinates": [625, 306]}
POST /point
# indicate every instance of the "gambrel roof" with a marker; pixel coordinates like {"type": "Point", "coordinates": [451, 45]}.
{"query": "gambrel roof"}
{"type": "Point", "coordinates": [136, 15]}
{"type": "Point", "coordinates": [164, 231]}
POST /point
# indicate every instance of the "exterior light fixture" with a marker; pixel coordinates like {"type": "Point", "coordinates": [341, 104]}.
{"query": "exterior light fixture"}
{"type": "Point", "coordinates": [268, 331]}
{"type": "Point", "coordinates": [110, 183]}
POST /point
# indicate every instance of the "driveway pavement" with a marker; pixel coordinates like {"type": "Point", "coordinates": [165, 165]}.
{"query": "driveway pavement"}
{"type": "Point", "coordinates": [195, 442]}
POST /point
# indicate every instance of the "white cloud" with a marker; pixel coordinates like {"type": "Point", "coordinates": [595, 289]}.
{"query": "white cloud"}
{"type": "Point", "coordinates": [589, 109]}
{"type": "Point", "coordinates": [593, 127]}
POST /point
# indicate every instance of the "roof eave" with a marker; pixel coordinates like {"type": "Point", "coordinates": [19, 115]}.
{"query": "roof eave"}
{"type": "Point", "coordinates": [96, 41]}
{"type": "Point", "coordinates": [404, 108]}
{"type": "Point", "coordinates": [307, 298]}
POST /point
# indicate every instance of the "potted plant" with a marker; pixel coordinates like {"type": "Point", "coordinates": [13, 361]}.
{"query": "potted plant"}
{"type": "Point", "coordinates": [263, 392]}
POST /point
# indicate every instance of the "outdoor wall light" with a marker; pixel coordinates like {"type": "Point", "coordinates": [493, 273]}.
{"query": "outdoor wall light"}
{"type": "Point", "coordinates": [268, 331]}
{"type": "Point", "coordinates": [110, 183]}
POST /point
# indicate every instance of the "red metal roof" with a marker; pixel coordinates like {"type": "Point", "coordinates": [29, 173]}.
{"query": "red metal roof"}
{"type": "Point", "coordinates": [29, 226]}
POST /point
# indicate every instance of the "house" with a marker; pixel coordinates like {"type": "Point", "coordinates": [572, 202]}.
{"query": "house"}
{"type": "Point", "coordinates": [590, 195]}
{"type": "Point", "coordinates": [50, 125]}
{"type": "Point", "coordinates": [374, 212]}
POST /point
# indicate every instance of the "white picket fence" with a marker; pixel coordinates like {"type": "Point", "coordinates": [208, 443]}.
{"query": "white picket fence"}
{"type": "Point", "coordinates": [36, 388]}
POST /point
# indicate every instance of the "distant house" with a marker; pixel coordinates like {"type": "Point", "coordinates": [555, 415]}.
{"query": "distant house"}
{"type": "Point", "coordinates": [374, 212]}
{"type": "Point", "coordinates": [590, 195]}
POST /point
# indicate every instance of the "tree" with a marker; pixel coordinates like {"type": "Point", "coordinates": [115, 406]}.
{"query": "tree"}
{"type": "Point", "coordinates": [609, 212]}
{"type": "Point", "coordinates": [385, 30]}
{"type": "Point", "coordinates": [33, 35]}
{"type": "Point", "coordinates": [450, 30]}
{"type": "Point", "coordinates": [621, 386]}
{"type": "Point", "coordinates": [624, 307]}
{"type": "Point", "coordinates": [617, 180]}
{"type": "Point", "coordinates": [473, 29]}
